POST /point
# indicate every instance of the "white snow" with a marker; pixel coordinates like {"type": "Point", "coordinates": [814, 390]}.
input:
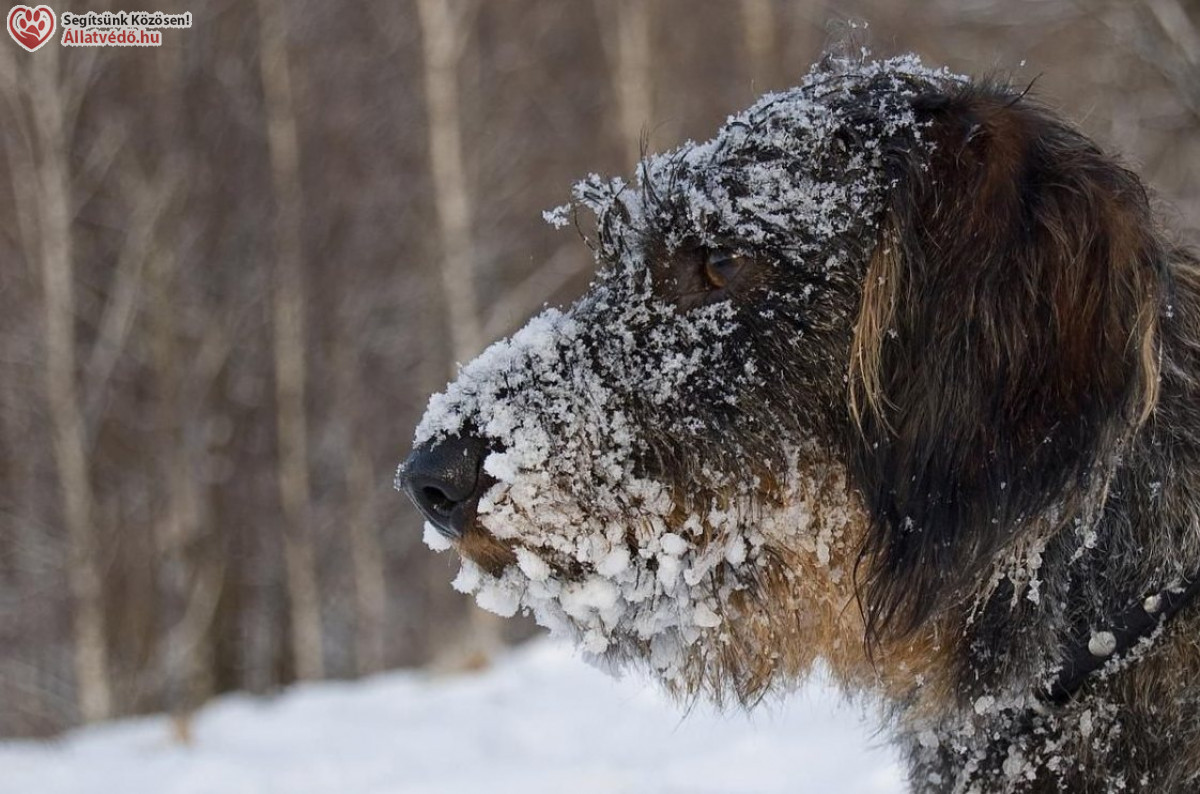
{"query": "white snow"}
{"type": "Point", "coordinates": [434, 539]}
{"type": "Point", "coordinates": [540, 721]}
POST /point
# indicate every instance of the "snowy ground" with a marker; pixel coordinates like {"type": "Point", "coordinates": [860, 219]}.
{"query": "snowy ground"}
{"type": "Point", "coordinates": [539, 721]}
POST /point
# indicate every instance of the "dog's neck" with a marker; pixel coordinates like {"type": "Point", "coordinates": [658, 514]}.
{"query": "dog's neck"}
{"type": "Point", "coordinates": [1120, 641]}
{"type": "Point", "coordinates": [1105, 643]}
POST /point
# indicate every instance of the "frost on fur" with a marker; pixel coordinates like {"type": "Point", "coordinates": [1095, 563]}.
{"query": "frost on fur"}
{"type": "Point", "coordinates": [898, 372]}
{"type": "Point", "coordinates": [582, 406]}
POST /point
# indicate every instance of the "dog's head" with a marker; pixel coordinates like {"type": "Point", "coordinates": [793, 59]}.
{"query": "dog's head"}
{"type": "Point", "coordinates": [855, 345]}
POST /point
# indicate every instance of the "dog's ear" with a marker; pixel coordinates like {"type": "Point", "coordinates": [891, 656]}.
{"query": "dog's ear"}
{"type": "Point", "coordinates": [1006, 339]}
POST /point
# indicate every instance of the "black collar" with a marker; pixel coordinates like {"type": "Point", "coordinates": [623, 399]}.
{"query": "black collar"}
{"type": "Point", "coordinates": [1099, 648]}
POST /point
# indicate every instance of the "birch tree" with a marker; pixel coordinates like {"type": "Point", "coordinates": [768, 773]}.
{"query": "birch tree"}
{"type": "Point", "coordinates": [288, 323]}
{"type": "Point", "coordinates": [759, 23]}
{"type": "Point", "coordinates": [190, 576]}
{"type": "Point", "coordinates": [443, 37]}
{"type": "Point", "coordinates": [361, 485]}
{"type": "Point", "coordinates": [51, 109]}
{"type": "Point", "coordinates": [626, 30]}
{"type": "Point", "coordinates": [442, 40]}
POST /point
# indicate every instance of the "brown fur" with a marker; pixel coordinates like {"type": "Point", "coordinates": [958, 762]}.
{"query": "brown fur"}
{"type": "Point", "coordinates": [1057, 327]}
{"type": "Point", "coordinates": [1005, 393]}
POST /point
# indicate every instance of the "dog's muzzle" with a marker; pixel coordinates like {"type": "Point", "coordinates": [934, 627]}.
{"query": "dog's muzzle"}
{"type": "Point", "coordinates": [445, 480]}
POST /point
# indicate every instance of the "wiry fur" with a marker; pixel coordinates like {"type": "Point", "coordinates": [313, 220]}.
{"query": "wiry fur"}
{"type": "Point", "coordinates": [970, 437]}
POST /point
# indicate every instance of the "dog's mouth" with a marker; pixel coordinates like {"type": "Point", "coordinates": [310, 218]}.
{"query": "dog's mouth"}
{"type": "Point", "coordinates": [479, 545]}
{"type": "Point", "coordinates": [474, 542]}
{"type": "Point", "coordinates": [588, 574]}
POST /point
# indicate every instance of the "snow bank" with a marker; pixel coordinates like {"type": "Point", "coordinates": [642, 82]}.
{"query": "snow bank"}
{"type": "Point", "coordinates": [541, 721]}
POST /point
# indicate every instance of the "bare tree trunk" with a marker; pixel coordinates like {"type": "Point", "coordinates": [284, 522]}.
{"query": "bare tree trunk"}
{"type": "Point", "coordinates": [442, 43]}
{"type": "Point", "coordinates": [366, 552]}
{"type": "Point", "coordinates": [190, 577]}
{"type": "Point", "coordinates": [189, 580]}
{"type": "Point", "coordinates": [805, 23]}
{"type": "Point", "coordinates": [759, 23]}
{"type": "Point", "coordinates": [630, 59]}
{"type": "Point", "coordinates": [24, 310]}
{"type": "Point", "coordinates": [1176, 25]}
{"type": "Point", "coordinates": [442, 37]}
{"type": "Point", "coordinates": [66, 417]}
{"type": "Point", "coordinates": [290, 365]}
{"type": "Point", "coordinates": [1183, 70]}
{"type": "Point", "coordinates": [370, 583]}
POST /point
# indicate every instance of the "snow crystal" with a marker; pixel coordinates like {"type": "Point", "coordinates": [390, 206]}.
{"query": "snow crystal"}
{"type": "Point", "coordinates": [673, 545]}
{"type": "Point", "coordinates": [498, 601]}
{"type": "Point", "coordinates": [614, 563]}
{"type": "Point", "coordinates": [501, 465]}
{"type": "Point", "coordinates": [469, 578]}
{"type": "Point", "coordinates": [705, 617]}
{"type": "Point", "coordinates": [558, 217]}
{"type": "Point", "coordinates": [1102, 643]}
{"type": "Point", "coordinates": [1085, 723]}
{"type": "Point", "coordinates": [532, 565]}
{"type": "Point", "coordinates": [1016, 766]}
{"type": "Point", "coordinates": [434, 539]}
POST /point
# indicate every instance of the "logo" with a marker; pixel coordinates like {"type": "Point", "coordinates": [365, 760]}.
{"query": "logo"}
{"type": "Point", "coordinates": [31, 27]}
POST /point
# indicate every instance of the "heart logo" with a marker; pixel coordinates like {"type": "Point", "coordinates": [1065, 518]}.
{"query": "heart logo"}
{"type": "Point", "coordinates": [31, 27]}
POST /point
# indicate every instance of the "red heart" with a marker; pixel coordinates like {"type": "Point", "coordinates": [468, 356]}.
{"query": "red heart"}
{"type": "Point", "coordinates": [31, 27]}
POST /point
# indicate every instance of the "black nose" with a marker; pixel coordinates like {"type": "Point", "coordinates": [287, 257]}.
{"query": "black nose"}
{"type": "Point", "coordinates": [445, 481]}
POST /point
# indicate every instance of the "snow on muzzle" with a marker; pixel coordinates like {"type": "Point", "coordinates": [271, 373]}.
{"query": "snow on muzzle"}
{"type": "Point", "coordinates": [606, 450]}
{"type": "Point", "coordinates": [541, 441]}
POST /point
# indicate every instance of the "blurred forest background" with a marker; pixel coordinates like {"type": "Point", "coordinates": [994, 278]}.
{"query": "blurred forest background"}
{"type": "Point", "coordinates": [232, 269]}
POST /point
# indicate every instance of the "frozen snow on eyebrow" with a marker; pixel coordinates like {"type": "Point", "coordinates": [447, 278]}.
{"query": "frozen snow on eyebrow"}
{"type": "Point", "coordinates": [793, 171]}
{"type": "Point", "coordinates": [571, 403]}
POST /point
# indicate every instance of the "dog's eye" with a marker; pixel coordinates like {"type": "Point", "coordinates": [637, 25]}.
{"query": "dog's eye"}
{"type": "Point", "coordinates": [721, 266]}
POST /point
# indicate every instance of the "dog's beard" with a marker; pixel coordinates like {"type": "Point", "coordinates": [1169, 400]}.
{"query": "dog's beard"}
{"type": "Point", "coordinates": [640, 582]}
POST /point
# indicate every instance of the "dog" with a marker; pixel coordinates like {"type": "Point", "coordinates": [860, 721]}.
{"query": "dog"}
{"type": "Point", "coordinates": [897, 372]}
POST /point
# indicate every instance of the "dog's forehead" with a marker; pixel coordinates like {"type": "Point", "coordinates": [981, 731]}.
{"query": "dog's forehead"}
{"type": "Point", "coordinates": [790, 174]}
